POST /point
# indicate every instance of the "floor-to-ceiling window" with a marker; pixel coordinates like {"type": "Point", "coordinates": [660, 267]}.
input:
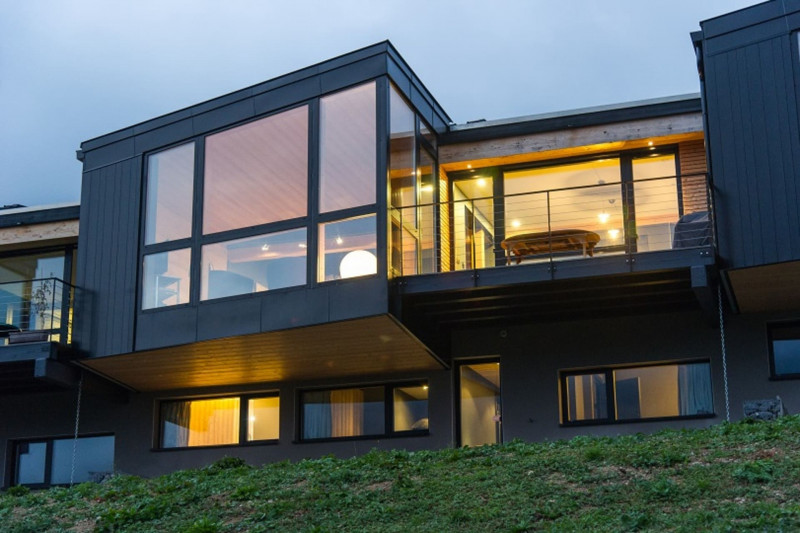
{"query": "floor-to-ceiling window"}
{"type": "Point", "coordinates": [235, 212]}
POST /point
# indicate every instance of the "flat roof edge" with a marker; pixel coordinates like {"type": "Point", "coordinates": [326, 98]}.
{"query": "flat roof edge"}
{"type": "Point", "coordinates": [590, 116]}
{"type": "Point", "coordinates": [24, 216]}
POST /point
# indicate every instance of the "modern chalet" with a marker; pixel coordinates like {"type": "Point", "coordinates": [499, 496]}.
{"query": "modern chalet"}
{"type": "Point", "coordinates": [326, 263]}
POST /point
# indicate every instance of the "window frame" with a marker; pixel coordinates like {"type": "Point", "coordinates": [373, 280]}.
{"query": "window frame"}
{"type": "Point", "coordinates": [608, 372]}
{"type": "Point", "coordinates": [310, 221]}
{"type": "Point", "coordinates": [388, 412]}
{"type": "Point", "coordinates": [14, 457]}
{"type": "Point", "coordinates": [243, 420]}
{"type": "Point", "coordinates": [773, 375]}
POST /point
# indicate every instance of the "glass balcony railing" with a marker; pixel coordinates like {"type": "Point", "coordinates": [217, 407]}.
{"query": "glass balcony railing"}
{"type": "Point", "coordinates": [643, 215]}
{"type": "Point", "coordinates": [36, 310]}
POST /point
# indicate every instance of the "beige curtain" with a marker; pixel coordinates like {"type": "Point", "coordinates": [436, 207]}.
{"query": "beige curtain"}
{"type": "Point", "coordinates": [347, 412]}
{"type": "Point", "coordinates": [214, 422]}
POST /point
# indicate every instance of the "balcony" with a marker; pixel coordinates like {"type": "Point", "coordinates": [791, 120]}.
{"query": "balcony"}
{"type": "Point", "coordinates": [560, 253]}
{"type": "Point", "coordinates": [653, 221]}
{"type": "Point", "coordinates": [38, 310]}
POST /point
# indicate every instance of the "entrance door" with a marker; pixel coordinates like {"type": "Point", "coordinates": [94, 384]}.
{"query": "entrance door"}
{"type": "Point", "coordinates": [479, 404]}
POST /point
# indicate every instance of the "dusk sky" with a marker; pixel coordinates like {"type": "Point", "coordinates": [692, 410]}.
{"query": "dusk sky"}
{"type": "Point", "coordinates": [74, 70]}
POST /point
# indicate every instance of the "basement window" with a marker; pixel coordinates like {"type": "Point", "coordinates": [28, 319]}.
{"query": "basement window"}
{"type": "Point", "coordinates": [784, 350]}
{"type": "Point", "coordinates": [45, 462]}
{"type": "Point", "coordinates": [219, 421]}
{"type": "Point", "coordinates": [625, 394]}
{"type": "Point", "coordinates": [374, 411]}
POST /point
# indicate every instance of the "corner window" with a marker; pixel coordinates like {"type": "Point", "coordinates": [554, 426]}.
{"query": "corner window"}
{"type": "Point", "coordinates": [636, 393]}
{"type": "Point", "coordinates": [363, 412]}
{"type": "Point", "coordinates": [254, 264]}
{"type": "Point", "coordinates": [348, 157]}
{"type": "Point", "coordinates": [48, 462]}
{"type": "Point", "coordinates": [166, 279]}
{"type": "Point", "coordinates": [784, 349]}
{"type": "Point", "coordinates": [257, 173]}
{"type": "Point", "coordinates": [348, 248]}
{"type": "Point", "coordinates": [219, 421]}
{"type": "Point", "coordinates": [170, 179]}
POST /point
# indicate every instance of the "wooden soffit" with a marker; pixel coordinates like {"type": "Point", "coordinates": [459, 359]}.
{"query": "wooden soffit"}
{"type": "Point", "coordinates": [365, 346]}
{"type": "Point", "coordinates": [38, 235]}
{"type": "Point", "coordinates": [572, 142]}
{"type": "Point", "coordinates": [767, 288]}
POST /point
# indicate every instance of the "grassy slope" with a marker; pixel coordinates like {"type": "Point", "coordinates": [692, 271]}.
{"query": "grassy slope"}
{"type": "Point", "coordinates": [743, 476]}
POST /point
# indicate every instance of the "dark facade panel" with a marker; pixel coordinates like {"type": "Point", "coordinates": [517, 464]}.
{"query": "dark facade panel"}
{"type": "Point", "coordinates": [166, 327]}
{"type": "Point", "coordinates": [166, 135]}
{"type": "Point", "coordinates": [108, 258]}
{"type": "Point", "coordinates": [294, 308]}
{"type": "Point", "coordinates": [225, 318]}
{"type": "Point", "coordinates": [752, 113]}
{"type": "Point", "coordinates": [222, 116]}
{"type": "Point", "coordinates": [162, 121]}
{"type": "Point", "coordinates": [750, 16]}
{"type": "Point", "coordinates": [286, 95]}
{"type": "Point", "coordinates": [352, 73]}
{"type": "Point", "coordinates": [747, 36]}
{"type": "Point", "coordinates": [108, 154]}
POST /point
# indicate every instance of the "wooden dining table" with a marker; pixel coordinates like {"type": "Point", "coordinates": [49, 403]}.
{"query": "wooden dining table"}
{"type": "Point", "coordinates": [547, 242]}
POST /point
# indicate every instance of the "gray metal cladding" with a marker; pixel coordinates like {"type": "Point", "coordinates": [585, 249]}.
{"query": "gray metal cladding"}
{"type": "Point", "coordinates": [107, 258]}
{"type": "Point", "coordinates": [754, 142]}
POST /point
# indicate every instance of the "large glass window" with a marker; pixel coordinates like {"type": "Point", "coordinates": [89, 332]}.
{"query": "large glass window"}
{"type": "Point", "coordinates": [218, 421]}
{"type": "Point", "coordinates": [584, 196]}
{"type": "Point", "coordinates": [254, 264]}
{"type": "Point", "coordinates": [637, 393]}
{"type": "Point", "coordinates": [170, 179]}
{"type": "Point", "coordinates": [30, 298]}
{"type": "Point", "coordinates": [361, 411]}
{"type": "Point", "coordinates": [347, 248]}
{"type": "Point", "coordinates": [348, 142]}
{"type": "Point", "coordinates": [166, 279]}
{"type": "Point", "coordinates": [784, 340]}
{"type": "Point", "coordinates": [257, 173]}
{"type": "Point", "coordinates": [50, 462]}
{"type": "Point", "coordinates": [655, 193]}
{"type": "Point", "coordinates": [412, 190]}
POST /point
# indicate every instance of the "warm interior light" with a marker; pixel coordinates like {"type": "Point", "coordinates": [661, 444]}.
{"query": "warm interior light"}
{"type": "Point", "coordinates": [426, 188]}
{"type": "Point", "coordinates": [469, 166]}
{"type": "Point", "coordinates": [613, 234]}
{"type": "Point", "coordinates": [650, 143]}
{"type": "Point", "coordinates": [603, 217]}
{"type": "Point", "coordinates": [358, 263]}
{"type": "Point", "coordinates": [252, 418]}
{"type": "Point", "coordinates": [424, 387]}
{"type": "Point", "coordinates": [481, 182]}
{"type": "Point", "coordinates": [515, 223]}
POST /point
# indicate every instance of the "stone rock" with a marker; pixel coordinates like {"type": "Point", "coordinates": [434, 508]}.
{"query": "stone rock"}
{"type": "Point", "coordinates": [764, 409]}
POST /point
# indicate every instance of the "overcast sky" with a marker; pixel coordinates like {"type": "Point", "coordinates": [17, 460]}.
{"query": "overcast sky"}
{"type": "Point", "coordinates": [74, 70]}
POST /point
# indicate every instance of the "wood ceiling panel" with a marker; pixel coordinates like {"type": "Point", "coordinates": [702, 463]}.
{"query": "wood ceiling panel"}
{"type": "Point", "coordinates": [767, 288]}
{"type": "Point", "coordinates": [364, 346]}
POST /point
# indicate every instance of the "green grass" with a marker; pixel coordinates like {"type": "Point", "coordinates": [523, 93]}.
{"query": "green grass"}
{"type": "Point", "coordinates": [732, 477]}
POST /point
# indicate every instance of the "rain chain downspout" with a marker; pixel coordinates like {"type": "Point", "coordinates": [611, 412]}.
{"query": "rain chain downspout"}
{"type": "Point", "coordinates": [77, 422]}
{"type": "Point", "coordinates": [724, 355]}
